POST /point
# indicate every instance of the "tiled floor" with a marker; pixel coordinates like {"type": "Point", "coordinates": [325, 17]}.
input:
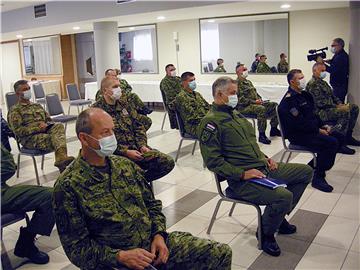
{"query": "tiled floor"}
{"type": "Point", "coordinates": [328, 224]}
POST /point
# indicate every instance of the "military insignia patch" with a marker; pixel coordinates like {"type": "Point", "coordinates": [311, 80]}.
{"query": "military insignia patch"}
{"type": "Point", "coordinates": [205, 136]}
{"type": "Point", "coordinates": [294, 112]}
{"type": "Point", "coordinates": [210, 127]}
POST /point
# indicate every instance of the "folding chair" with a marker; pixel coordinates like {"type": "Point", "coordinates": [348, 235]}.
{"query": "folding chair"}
{"type": "Point", "coordinates": [229, 197]}
{"type": "Point", "coordinates": [39, 94]}
{"type": "Point", "coordinates": [75, 98]}
{"type": "Point", "coordinates": [165, 109]}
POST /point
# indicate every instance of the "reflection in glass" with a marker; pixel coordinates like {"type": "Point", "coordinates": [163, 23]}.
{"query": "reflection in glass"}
{"type": "Point", "coordinates": [238, 39]}
{"type": "Point", "coordinates": [138, 51]}
{"type": "Point", "coordinates": [42, 55]}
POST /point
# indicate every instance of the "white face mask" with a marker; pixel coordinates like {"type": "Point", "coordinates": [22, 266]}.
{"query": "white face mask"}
{"type": "Point", "coordinates": [323, 75]}
{"type": "Point", "coordinates": [333, 49]}
{"type": "Point", "coordinates": [107, 145]}
{"type": "Point", "coordinates": [173, 73]}
{"type": "Point", "coordinates": [27, 94]}
{"type": "Point", "coordinates": [116, 93]}
{"type": "Point", "coordinates": [245, 74]}
{"type": "Point", "coordinates": [233, 101]}
{"type": "Point", "coordinates": [302, 84]}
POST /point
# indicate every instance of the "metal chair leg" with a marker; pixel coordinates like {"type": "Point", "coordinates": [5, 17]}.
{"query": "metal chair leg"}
{"type": "Point", "coordinates": [315, 161]}
{"type": "Point", "coordinates": [163, 121]}
{"type": "Point", "coordinates": [18, 166]}
{"type": "Point", "coordinates": [213, 218]}
{"type": "Point", "coordinates": [288, 159]}
{"type": "Point", "coordinates": [42, 162]}
{"type": "Point", "coordinates": [232, 209]}
{"type": "Point", "coordinates": [283, 155]}
{"type": "Point", "coordinates": [65, 127]}
{"type": "Point", "coordinates": [78, 109]}
{"type": "Point", "coordinates": [36, 171]}
{"type": "Point", "coordinates": [69, 109]}
{"type": "Point", "coordinates": [254, 125]}
{"type": "Point", "coordinates": [259, 227]}
{"type": "Point", "coordinates": [193, 150]}
{"type": "Point", "coordinates": [178, 151]}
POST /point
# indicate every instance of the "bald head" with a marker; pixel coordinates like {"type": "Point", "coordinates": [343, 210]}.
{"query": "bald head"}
{"type": "Point", "coordinates": [93, 120]}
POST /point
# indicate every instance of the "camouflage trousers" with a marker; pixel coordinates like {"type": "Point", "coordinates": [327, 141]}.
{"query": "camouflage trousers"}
{"type": "Point", "coordinates": [343, 121]}
{"type": "Point", "coordinates": [262, 112]}
{"type": "Point", "coordinates": [158, 166]}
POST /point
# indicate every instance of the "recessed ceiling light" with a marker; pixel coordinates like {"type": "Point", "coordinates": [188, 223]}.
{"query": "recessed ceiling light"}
{"type": "Point", "coordinates": [76, 28]}
{"type": "Point", "coordinates": [131, 28]}
{"type": "Point", "coordinates": [211, 21]}
{"type": "Point", "coordinates": [19, 36]}
{"type": "Point", "coordinates": [284, 6]}
{"type": "Point", "coordinates": [161, 18]}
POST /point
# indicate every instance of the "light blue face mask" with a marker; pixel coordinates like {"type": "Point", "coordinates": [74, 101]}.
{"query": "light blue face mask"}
{"type": "Point", "coordinates": [27, 94]}
{"type": "Point", "coordinates": [192, 85]}
{"type": "Point", "coordinates": [323, 75]}
{"type": "Point", "coordinates": [107, 144]}
{"type": "Point", "coordinates": [233, 101]}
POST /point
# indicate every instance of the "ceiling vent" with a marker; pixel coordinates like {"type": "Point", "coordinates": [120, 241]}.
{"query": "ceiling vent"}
{"type": "Point", "coordinates": [40, 11]}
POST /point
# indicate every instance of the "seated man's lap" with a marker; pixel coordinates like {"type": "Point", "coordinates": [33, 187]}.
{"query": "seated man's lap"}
{"type": "Point", "coordinates": [40, 141]}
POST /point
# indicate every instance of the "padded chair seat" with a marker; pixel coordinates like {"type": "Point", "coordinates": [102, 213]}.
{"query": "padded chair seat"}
{"type": "Point", "coordinates": [299, 147]}
{"type": "Point", "coordinates": [9, 218]}
{"type": "Point", "coordinates": [33, 152]}
{"type": "Point", "coordinates": [80, 102]}
{"type": "Point", "coordinates": [41, 100]}
{"type": "Point", "coordinates": [64, 118]}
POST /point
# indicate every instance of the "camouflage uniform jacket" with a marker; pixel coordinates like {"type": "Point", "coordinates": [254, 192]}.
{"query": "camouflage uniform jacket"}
{"type": "Point", "coordinates": [263, 68]}
{"type": "Point", "coordinates": [24, 120]}
{"type": "Point", "coordinates": [192, 108]}
{"type": "Point", "coordinates": [322, 94]}
{"type": "Point", "coordinates": [170, 86]}
{"type": "Point", "coordinates": [8, 166]}
{"type": "Point", "coordinates": [246, 93]}
{"type": "Point", "coordinates": [219, 69]}
{"type": "Point", "coordinates": [283, 67]}
{"type": "Point", "coordinates": [129, 131]}
{"type": "Point", "coordinates": [98, 213]}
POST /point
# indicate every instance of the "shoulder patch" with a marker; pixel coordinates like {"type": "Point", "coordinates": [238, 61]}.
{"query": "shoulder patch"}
{"type": "Point", "coordinates": [210, 127]}
{"type": "Point", "coordinates": [207, 132]}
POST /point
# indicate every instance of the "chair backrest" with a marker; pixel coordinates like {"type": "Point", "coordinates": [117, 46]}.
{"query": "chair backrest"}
{"type": "Point", "coordinates": [163, 99]}
{"type": "Point", "coordinates": [218, 180]}
{"type": "Point", "coordinates": [53, 104]}
{"type": "Point", "coordinates": [281, 129]}
{"type": "Point", "coordinates": [11, 99]}
{"type": "Point", "coordinates": [38, 91]}
{"type": "Point", "coordinates": [72, 91]}
{"type": "Point", "coordinates": [180, 122]}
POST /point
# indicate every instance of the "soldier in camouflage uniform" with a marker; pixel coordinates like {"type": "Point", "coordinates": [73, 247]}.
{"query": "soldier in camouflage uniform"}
{"type": "Point", "coordinates": [262, 67]}
{"type": "Point", "coordinates": [250, 102]}
{"type": "Point", "coordinates": [220, 66]}
{"type": "Point", "coordinates": [190, 104]}
{"type": "Point", "coordinates": [283, 66]}
{"type": "Point", "coordinates": [34, 128]}
{"type": "Point", "coordinates": [131, 133]}
{"type": "Point", "coordinates": [170, 86]}
{"type": "Point", "coordinates": [26, 198]}
{"type": "Point", "coordinates": [107, 216]}
{"type": "Point", "coordinates": [329, 107]}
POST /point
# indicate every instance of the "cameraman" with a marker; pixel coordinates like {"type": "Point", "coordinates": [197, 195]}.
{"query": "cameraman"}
{"type": "Point", "coordinates": [338, 67]}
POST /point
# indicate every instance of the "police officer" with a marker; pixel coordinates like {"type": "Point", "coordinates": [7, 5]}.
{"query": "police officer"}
{"type": "Point", "coordinates": [283, 66]}
{"type": "Point", "coordinates": [131, 133]}
{"type": "Point", "coordinates": [302, 127]}
{"type": "Point", "coordinates": [35, 129]}
{"type": "Point", "coordinates": [228, 147]}
{"type": "Point", "coordinates": [220, 66]}
{"type": "Point", "coordinates": [330, 108]}
{"type": "Point", "coordinates": [262, 66]}
{"type": "Point", "coordinates": [107, 216]}
{"type": "Point", "coordinates": [26, 198]}
{"type": "Point", "coordinates": [338, 67]}
{"type": "Point", "coordinates": [190, 104]}
{"type": "Point", "coordinates": [250, 102]}
{"type": "Point", "coordinates": [170, 86]}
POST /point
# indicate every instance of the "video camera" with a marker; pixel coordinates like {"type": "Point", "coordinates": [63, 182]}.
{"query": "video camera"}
{"type": "Point", "coordinates": [314, 54]}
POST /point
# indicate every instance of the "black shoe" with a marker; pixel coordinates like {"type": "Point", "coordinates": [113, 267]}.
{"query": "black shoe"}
{"type": "Point", "coordinates": [352, 141]}
{"type": "Point", "coordinates": [287, 228]}
{"type": "Point", "coordinates": [25, 247]}
{"type": "Point", "coordinates": [275, 132]}
{"type": "Point", "coordinates": [270, 246]}
{"type": "Point", "coordinates": [346, 150]}
{"type": "Point", "coordinates": [263, 139]}
{"type": "Point", "coordinates": [321, 184]}
{"type": "Point", "coordinates": [145, 111]}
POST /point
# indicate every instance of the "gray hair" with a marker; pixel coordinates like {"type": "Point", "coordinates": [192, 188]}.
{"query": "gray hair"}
{"type": "Point", "coordinates": [222, 84]}
{"type": "Point", "coordinates": [340, 41]}
{"type": "Point", "coordinates": [83, 122]}
{"type": "Point", "coordinates": [19, 83]}
{"type": "Point", "coordinates": [317, 64]}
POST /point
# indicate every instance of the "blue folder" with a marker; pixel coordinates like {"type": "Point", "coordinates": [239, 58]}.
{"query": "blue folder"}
{"type": "Point", "coordinates": [268, 182]}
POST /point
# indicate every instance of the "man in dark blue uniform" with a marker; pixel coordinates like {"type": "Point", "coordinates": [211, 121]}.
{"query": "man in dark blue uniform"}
{"type": "Point", "coordinates": [302, 127]}
{"type": "Point", "coordinates": [338, 67]}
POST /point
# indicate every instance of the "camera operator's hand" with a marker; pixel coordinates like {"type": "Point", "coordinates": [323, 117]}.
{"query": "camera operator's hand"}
{"type": "Point", "coordinates": [343, 107]}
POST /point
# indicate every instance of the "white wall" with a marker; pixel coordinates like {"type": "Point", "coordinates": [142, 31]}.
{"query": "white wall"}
{"type": "Point", "coordinates": [10, 69]}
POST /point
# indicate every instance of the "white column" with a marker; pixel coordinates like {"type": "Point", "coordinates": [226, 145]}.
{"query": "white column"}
{"type": "Point", "coordinates": [354, 53]}
{"type": "Point", "coordinates": [107, 54]}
